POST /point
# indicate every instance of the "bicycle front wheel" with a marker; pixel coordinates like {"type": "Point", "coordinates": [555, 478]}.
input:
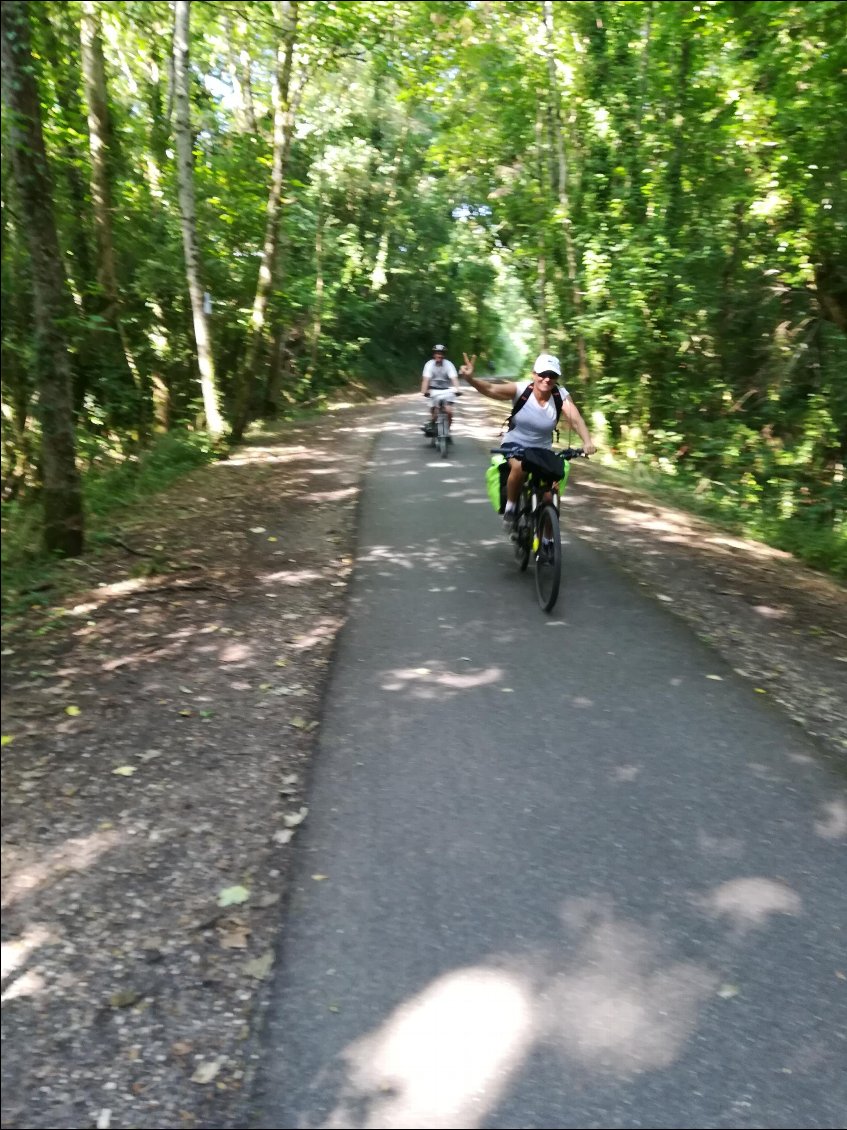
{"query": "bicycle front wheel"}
{"type": "Point", "coordinates": [443, 433]}
{"type": "Point", "coordinates": [548, 557]}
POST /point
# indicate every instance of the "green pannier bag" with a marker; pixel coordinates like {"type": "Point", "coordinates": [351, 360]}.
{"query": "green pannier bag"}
{"type": "Point", "coordinates": [495, 482]}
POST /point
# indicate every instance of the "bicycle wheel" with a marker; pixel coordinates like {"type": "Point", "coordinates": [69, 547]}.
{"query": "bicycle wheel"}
{"type": "Point", "coordinates": [523, 535]}
{"type": "Point", "coordinates": [547, 545]}
{"type": "Point", "coordinates": [443, 428]}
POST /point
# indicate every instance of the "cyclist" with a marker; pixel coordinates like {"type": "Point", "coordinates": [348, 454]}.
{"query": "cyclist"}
{"type": "Point", "coordinates": [535, 413]}
{"type": "Point", "coordinates": [439, 375]}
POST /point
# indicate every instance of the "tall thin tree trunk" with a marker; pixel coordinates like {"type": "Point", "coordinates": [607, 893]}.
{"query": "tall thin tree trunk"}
{"type": "Point", "coordinates": [564, 202]}
{"type": "Point", "coordinates": [284, 107]}
{"type": "Point", "coordinates": [63, 510]}
{"type": "Point", "coordinates": [379, 276]}
{"type": "Point", "coordinates": [543, 318]}
{"type": "Point", "coordinates": [238, 65]}
{"type": "Point", "coordinates": [319, 284]}
{"type": "Point", "coordinates": [185, 177]}
{"type": "Point", "coordinates": [99, 142]}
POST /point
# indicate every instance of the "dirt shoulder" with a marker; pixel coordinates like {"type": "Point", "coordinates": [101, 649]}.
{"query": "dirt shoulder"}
{"type": "Point", "coordinates": [162, 735]}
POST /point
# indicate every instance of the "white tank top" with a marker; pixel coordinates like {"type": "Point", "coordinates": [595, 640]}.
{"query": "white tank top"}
{"type": "Point", "coordinates": [535, 422]}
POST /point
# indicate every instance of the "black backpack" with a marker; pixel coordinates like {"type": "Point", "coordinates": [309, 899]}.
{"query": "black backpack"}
{"type": "Point", "coordinates": [524, 397]}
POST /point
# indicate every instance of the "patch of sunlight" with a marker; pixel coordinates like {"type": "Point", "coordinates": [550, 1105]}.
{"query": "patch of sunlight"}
{"type": "Point", "coordinates": [76, 854]}
{"type": "Point", "coordinates": [294, 576]}
{"type": "Point", "coordinates": [234, 653]}
{"type": "Point", "coordinates": [334, 495]}
{"type": "Point", "coordinates": [443, 1058]}
{"type": "Point", "coordinates": [326, 629]}
{"type": "Point", "coordinates": [621, 1006]}
{"type": "Point", "coordinates": [16, 952]}
{"type": "Point", "coordinates": [29, 984]}
{"type": "Point", "coordinates": [119, 588]}
{"type": "Point", "coordinates": [402, 678]}
{"type": "Point", "coordinates": [834, 825]}
{"type": "Point", "coordinates": [750, 902]}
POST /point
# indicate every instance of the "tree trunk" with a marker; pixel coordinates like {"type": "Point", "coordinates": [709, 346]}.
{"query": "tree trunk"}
{"type": "Point", "coordinates": [543, 318]}
{"type": "Point", "coordinates": [284, 107]}
{"type": "Point", "coordinates": [63, 510]}
{"type": "Point", "coordinates": [238, 65]}
{"type": "Point", "coordinates": [564, 202]}
{"type": "Point", "coordinates": [99, 143]}
{"type": "Point", "coordinates": [319, 286]}
{"type": "Point", "coordinates": [185, 179]}
{"type": "Point", "coordinates": [379, 276]}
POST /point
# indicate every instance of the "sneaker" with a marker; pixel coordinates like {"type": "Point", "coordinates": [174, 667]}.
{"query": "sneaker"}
{"type": "Point", "coordinates": [509, 521]}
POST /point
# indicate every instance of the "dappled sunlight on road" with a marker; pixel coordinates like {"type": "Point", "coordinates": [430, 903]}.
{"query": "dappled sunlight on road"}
{"type": "Point", "coordinates": [443, 1058]}
{"type": "Point", "coordinates": [611, 1000]}
{"type": "Point", "coordinates": [833, 826]}
{"type": "Point", "coordinates": [411, 679]}
{"type": "Point", "coordinates": [749, 902]}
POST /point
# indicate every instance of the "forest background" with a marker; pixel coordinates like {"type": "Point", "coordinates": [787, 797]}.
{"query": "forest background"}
{"type": "Point", "coordinates": [220, 213]}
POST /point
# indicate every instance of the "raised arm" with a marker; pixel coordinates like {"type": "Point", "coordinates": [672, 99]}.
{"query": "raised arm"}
{"type": "Point", "coordinates": [505, 391]}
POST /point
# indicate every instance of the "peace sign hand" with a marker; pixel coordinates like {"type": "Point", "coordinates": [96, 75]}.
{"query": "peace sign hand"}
{"type": "Point", "coordinates": [467, 369]}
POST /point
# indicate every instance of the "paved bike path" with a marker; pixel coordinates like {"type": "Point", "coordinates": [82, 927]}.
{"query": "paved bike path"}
{"type": "Point", "coordinates": [558, 871]}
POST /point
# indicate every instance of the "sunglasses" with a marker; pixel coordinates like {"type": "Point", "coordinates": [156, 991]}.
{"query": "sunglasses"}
{"type": "Point", "coordinates": [546, 376]}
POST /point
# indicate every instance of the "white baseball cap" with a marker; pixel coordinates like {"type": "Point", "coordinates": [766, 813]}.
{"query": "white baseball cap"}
{"type": "Point", "coordinates": [547, 363]}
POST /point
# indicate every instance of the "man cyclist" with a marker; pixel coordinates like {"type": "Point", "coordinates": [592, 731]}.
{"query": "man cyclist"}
{"type": "Point", "coordinates": [440, 376]}
{"type": "Point", "coordinates": [535, 415]}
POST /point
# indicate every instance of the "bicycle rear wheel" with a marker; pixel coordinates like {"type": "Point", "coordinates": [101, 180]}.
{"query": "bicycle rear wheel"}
{"type": "Point", "coordinates": [548, 557]}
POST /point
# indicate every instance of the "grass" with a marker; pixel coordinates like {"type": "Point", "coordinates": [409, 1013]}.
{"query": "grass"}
{"type": "Point", "coordinates": [30, 576]}
{"type": "Point", "coordinates": [821, 547]}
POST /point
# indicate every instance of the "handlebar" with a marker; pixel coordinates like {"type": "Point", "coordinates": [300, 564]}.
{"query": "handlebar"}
{"type": "Point", "coordinates": [566, 453]}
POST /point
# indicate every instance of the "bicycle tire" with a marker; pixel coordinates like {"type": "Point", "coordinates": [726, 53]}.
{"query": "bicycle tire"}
{"type": "Point", "coordinates": [548, 557]}
{"type": "Point", "coordinates": [523, 535]}
{"type": "Point", "coordinates": [443, 429]}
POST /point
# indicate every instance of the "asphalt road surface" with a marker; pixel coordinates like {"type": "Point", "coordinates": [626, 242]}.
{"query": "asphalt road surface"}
{"type": "Point", "coordinates": [560, 870]}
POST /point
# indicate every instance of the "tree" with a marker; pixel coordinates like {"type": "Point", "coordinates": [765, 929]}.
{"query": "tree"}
{"type": "Point", "coordinates": [63, 510]}
{"type": "Point", "coordinates": [284, 112]}
{"type": "Point", "coordinates": [99, 139]}
{"type": "Point", "coordinates": [185, 174]}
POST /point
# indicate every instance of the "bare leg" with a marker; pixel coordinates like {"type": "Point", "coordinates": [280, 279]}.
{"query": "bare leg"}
{"type": "Point", "coordinates": [514, 481]}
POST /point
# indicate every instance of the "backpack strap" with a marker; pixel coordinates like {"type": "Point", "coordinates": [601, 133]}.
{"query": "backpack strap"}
{"type": "Point", "coordinates": [524, 397]}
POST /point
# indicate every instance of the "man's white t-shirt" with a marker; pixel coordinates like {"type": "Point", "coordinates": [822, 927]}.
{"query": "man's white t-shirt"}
{"type": "Point", "coordinates": [536, 422]}
{"type": "Point", "coordinates": [440, 376]}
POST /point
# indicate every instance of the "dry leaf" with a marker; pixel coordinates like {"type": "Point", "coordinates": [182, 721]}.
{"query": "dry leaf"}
{"type": "Point", "coordinates": [125, 770]}
{"type": "Point", "coordinates": [7, 739]}
{"type": "Point", "coordinates": [283, 836]}
{"type": "Point", "coordinates": [727, 992]}
{"type": "Point", "coordinates": [717, 678]}
{"type": "Point", "coordinates": [299, 722]}
{"type": "Point", "coordinates": [206, 1071]}
{"type": "Point", "coordinates": [260, 967]}
{"type": "Point", "coordinates": [234, 935]}
{"type": "Point", "coordinates": [73, 711]}
{"type": "Point", "coordinates": [124, 998]}
{"type": "Point", "coordinates": [320, 878]}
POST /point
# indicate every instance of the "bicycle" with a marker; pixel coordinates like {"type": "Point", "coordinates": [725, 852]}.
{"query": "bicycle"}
{"type": "Point", "coordinates": [536, 525]}
{"type": "Point", "coordinates": [439, 431]}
